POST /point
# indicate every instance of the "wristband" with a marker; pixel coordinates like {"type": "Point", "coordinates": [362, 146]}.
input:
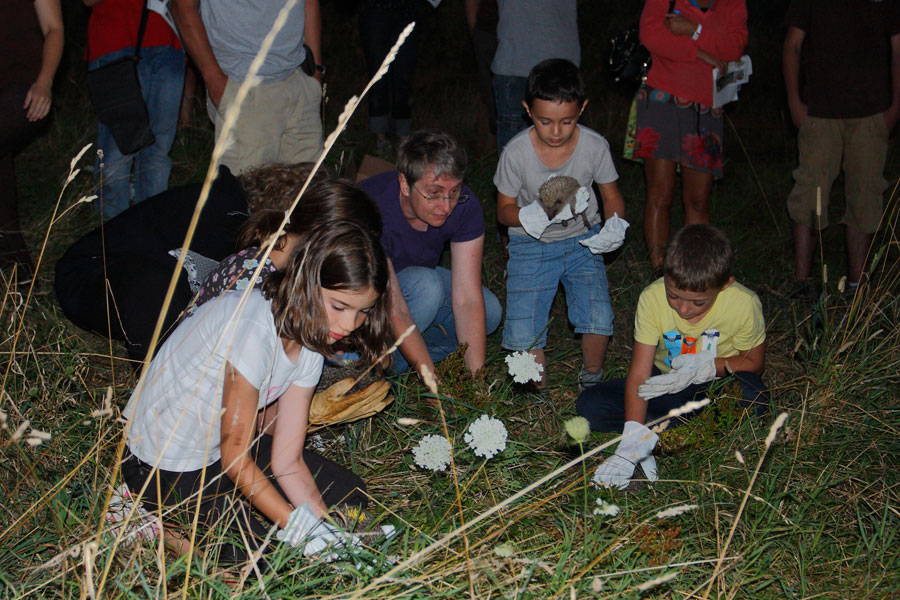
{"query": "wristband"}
{"type": "Point", "coordinates": [321, 69]}
{"type": "Point", "coordinates": [694, 36]}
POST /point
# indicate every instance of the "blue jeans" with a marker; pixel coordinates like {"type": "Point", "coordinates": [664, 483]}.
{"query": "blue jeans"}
{"type": "Point", "coordinates": [427, 293]}
{"type": "Point", "coordinates": [534, 272]}
{"type": "Point", "coordinates": [161, 73]}
{"type": "Point", "coordinates": [603, 404]}
{"type": "Point", "coordinates": [390, 99]}
{"type": "Point", "coordinates": [509, 93]}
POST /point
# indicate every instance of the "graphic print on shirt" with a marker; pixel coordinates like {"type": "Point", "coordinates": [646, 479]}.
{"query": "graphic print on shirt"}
{"type": "Point", "coordinates": [677, 343]}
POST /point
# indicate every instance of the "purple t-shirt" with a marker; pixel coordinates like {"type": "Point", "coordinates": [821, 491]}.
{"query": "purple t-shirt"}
{"type": "Point", "coordinates": [408, 247]}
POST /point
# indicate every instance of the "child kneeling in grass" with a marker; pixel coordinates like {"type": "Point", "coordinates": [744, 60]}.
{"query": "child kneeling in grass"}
{"type": "Point", "coordinates": [693, 324]}
{"type": "Point", "coordinates": [193, 445]}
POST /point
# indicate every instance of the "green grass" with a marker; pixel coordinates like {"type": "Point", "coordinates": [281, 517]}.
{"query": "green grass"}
{"type": "Point", "coordinates": [820, 519]}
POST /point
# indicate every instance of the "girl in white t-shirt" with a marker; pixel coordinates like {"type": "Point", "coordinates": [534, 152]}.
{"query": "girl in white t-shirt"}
{"type": "Point", "coordinates": [193, 417]}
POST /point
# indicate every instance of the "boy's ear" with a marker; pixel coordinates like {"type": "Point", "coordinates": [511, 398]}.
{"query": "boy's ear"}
{"type": "Point", "coordinates": [583, 104]}
{"type": "Point", "coordinates": [728, 283]}
{"type": "Point", "coordinates": [527, 109]}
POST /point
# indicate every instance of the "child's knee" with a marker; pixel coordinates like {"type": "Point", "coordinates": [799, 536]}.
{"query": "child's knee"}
{"type": "Point", "coordinates": [602, 407]}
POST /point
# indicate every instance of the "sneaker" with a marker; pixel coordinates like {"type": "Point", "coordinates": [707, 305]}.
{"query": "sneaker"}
{"type": "Point", "coordinates": [588, 378]}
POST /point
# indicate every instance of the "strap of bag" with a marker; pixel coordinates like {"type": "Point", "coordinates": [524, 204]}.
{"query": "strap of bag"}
{"type": "Point", "coordinates": [145, 13]}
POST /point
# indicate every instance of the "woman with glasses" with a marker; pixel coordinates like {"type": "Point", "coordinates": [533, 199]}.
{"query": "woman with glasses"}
{"type": "Point", "coordinates": [424, 204]}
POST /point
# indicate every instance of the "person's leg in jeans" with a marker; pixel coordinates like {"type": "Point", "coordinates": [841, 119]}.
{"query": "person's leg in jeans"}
{"type": "Point", "coordinates": [423, 291]}
{"type": "Point", "coordinates": [161, 73]}
{"type": "Point", "coordinates": [441, 336]}
{"type": "Point", "coordinates": [375, 34]}
{"type": "Point", "coordinates": [509, 93]}
{"type": "Point", "coordinates": [114, 169]}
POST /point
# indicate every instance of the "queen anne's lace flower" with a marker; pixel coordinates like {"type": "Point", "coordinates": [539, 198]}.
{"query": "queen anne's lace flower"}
{"type": "Point", "coordinates": [606, 509]}
{"type": "Point", "coordinates": [523, 367]}
{"type": "Point", "coordinates": [486, 436]}
{"type": "Point", "coordinates": [433, 452]}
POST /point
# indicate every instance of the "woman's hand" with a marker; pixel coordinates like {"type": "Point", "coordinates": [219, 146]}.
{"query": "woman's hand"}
{"type": "Point", "coordinates": [678, 25]}
{"type": "Point", "coordinates": [37, 101]}
{"type": "Point", "coordinates": [712, 61]}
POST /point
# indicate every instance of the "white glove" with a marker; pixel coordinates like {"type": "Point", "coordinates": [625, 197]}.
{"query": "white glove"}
{"type": "Point", "coordinates": [582, 200]}
{"type": "Point", "coordinates": [610, 238]}
{"type": "Point", "coordinates": [305, 529]}
{"type": "Point", "coordinates": [687, 369]}
{"type": "Point", "coordinates": [534, 219]}
{"type": "Point", "coordinates": [635, 448]}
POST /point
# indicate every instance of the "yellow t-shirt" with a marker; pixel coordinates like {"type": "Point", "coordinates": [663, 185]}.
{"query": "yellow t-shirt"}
{"type": "Point", "coordinates": [733, 324]}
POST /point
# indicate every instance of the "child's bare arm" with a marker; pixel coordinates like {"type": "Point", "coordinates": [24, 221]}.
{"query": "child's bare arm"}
{"type": "Point", "coordinates": [753, 360]}
{"type": "Point", "coordinates": [507, 211]}
{"type": "Point", "coordinates": [292, 473]}
{"type": "Point", "coordinates": [239, 401]}
{"type": "Point", "coordinates": [641, 368]}
{"type": "Point", "coordinates": [612, 200]}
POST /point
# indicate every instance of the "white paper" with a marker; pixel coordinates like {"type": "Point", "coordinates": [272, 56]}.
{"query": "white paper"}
{"type": "Point", "coordinates": [726, 86]}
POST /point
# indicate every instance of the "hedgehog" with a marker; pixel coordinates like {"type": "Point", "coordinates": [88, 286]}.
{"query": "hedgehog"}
{"type": "Point", "coordinates": [556, 193]}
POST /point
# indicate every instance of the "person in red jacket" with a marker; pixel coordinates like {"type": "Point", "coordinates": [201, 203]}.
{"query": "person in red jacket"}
{"type": "Point", "coordinates": [672, 122]}
{"type": "Point", "coordinates": [112, 34]}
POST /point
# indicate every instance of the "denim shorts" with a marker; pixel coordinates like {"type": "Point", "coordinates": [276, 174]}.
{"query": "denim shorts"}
{"type": "Point", "coordinates": [534, 272]}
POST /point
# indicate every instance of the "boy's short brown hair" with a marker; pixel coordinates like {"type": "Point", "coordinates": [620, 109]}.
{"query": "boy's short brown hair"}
{"type": "Point", "coordinates": [699, 258]}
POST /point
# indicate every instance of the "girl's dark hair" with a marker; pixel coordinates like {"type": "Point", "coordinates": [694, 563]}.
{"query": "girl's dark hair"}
{"type": "Point", "coordinates": [555, 80]}
{"type": "Point", "coordinates": [338, 255]}
{"type": "Point", "coordinates": [327, 200]}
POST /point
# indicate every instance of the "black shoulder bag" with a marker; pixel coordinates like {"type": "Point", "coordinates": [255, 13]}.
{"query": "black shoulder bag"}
{"type": "Point", "coordinates": [629, 60]}
{"type": "Point", "coordinates": [115, 92]}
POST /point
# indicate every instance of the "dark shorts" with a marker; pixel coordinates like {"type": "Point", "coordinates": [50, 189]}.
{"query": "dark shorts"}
{"type": "Point", "coordinates": [222, 506]}
{"type": "Point", "coordinates": [661, 125]}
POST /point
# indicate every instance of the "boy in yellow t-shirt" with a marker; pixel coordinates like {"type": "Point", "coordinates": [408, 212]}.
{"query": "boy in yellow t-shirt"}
{"type": "Point", "coordinates": [692, 325]}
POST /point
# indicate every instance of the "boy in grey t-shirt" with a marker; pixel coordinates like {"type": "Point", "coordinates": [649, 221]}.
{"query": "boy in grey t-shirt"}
{"type": "Point", "coordinates": [543, 253]}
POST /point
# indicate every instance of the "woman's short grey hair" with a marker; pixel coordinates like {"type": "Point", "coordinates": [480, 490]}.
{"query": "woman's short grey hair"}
{"type": "Point", "coordinates": [431, 149]}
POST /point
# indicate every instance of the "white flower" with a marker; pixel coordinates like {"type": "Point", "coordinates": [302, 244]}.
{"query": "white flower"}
{"type": "Point", "coordinates": [504, 550]}
{"type": "Point", "coordinates": [486, 436]}
{"type": "Point", "coordinates": [433, 452]}
{"type": "Point", "coordinates": [579, 428]}
{"type": "Point", "coordinates": [523, 367]}
{"type": "Point", "coordinates": [606, 509]}
{"type": "Point", "coordinates": [676, 510]}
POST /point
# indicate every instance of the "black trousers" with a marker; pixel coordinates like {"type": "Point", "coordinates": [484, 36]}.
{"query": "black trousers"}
{"type": "Point", "coordinates": [222, 506]}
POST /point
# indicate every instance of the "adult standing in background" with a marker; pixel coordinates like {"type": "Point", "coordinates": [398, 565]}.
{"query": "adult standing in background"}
{"type": "Point", "coordinates": [390, 99]}
{"type": "Point", "coordinates": [112, 34]}
{"type": "Point", "coordinates": [279, 121]}
{"type": "Point", "coordinates": [31, 45]}
{"type": "Point", "coordinates": [528, 31]}
{"type": "Point", "coordinates": [481, 20]}
{"type": "Point", "coordinates": [849, 103]}
{"type": "Point", "coordinates": [673, 124]}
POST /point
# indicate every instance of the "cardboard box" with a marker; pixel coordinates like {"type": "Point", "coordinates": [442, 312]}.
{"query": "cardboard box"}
{"type": "Point", "coordinates": [371, 166]}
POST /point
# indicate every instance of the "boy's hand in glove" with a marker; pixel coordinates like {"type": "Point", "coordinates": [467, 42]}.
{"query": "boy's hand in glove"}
{"type": "Point", "coordinates": [336, 405]}
{"type": "Point", "coordinates": [305, 530]}
{"type": "Point", "coordinates": [687, 369]}
{"type": "Point", "coordinates": [610, 238]}
{"type": "Point", "coordinates": [635, 448]}
{"type": "Point", "coordinates": [534, 219]}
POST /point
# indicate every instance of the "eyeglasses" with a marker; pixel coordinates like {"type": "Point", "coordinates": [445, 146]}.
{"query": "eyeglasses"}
{"type": "Point", "coordinates": [457, 196]}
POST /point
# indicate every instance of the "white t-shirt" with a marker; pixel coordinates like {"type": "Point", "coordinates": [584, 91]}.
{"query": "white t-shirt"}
{"type": "Point", "coordinates": [520, 175]}
{"type": "Point", "coordinates": [176, 409]}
